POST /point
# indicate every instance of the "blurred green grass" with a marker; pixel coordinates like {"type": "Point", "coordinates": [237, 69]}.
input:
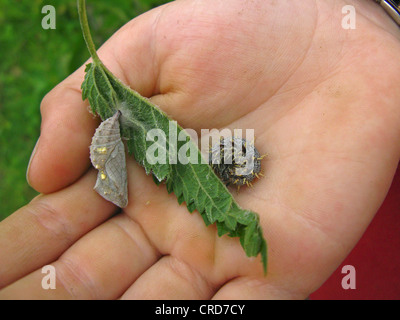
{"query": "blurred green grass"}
{"type": "Point", "coordinates": [32, 62]}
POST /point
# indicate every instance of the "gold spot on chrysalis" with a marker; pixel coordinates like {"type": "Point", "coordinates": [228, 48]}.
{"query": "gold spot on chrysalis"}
{"type": "Point", "coordinates": [102, 150]}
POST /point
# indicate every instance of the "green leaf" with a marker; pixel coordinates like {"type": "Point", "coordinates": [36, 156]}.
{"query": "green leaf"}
{"type": "Point", "coordinates": [195, 184]}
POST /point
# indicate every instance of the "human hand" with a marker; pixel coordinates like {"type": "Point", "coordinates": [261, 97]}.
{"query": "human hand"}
{"type": "Point", "coordinates": [324, 105]}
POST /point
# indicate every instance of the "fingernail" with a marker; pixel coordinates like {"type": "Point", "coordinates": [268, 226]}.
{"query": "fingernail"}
{"type": "Point", "coordinates": [30, 161]}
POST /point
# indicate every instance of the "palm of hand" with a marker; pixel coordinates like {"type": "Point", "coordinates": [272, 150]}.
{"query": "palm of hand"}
{"type": "Point", "coordinates": [308, 88]}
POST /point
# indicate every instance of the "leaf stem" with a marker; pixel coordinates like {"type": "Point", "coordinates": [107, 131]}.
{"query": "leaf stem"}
{"type": "Point", "coordinates": [86, 31]}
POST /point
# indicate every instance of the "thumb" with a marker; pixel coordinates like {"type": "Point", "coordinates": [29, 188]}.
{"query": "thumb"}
{"type": "Point", "coordinates": [61, 154]}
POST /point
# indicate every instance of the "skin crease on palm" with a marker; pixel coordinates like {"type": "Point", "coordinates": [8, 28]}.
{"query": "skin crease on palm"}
{"type": "Point", "coordinates": [325, 106]}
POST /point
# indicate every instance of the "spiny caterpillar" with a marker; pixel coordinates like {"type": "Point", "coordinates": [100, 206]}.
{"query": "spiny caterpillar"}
{"type": "Point", "coordinates": [235, 161]}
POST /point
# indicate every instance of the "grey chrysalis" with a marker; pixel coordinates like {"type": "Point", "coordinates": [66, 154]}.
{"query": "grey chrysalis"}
{"type": "Point", "coordinates": [107, 153]}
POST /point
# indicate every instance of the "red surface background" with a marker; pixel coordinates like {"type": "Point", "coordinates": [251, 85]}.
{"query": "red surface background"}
{"type": "Point", "coordinates": [376, 257]}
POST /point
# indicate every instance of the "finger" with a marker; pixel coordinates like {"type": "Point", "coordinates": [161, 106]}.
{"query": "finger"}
{"type": "Point", "coordinates": [101, 265]}
{"type": "Point", "coordinates": [197, 261]}
{"type": "Point", "coordinates": [62, 153]}
{"type": "Point", "coordinates": [246, 288]}
{"type": "Point", "coordinates": [39, 232]}
{"type": "Point", "coordinates": [171, 279]}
